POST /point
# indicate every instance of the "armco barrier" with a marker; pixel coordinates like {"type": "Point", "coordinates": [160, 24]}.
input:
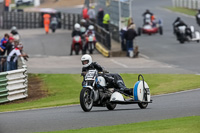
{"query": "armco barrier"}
{"type": "Point", "coordinates": [190, 4]}
{"type": "Point", "coordinates": [13, 84]}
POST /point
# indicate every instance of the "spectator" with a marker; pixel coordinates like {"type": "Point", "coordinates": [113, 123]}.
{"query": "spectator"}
{"type": "Point", "coordinates": [10, 45]}
{"type": "Point", "coordinates": [130, 36]}
{"type": "Point", "coordinates": [123, 41]}
{"type": "Point", "coordinates": [15, 33]}
{"type": "Point", "coordinates": [106, 20]}
{"type": "Point", "coordinates": [4, 41]}
{"type": "Point", "coordinates": [85, 13]}
{"type": "Point", "coordinates": [100, 16]}
{"type": "Point", "coordinates": [131, 24]}
{"type": "Point", "coordinates": [91, 13]}
{"type": "Point", "coordinates": [13, 56]}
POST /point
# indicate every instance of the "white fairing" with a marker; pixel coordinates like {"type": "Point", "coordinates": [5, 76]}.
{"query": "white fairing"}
{"type": "Point", "coordinates": [192, 28]}
{"type": "Point", "coordinates": [147, 27]}
{"type": "Point", "coordinates": [101, 81]}
{"type": "Point", "coordinates": [90, 39]}
{"type": "Point", "coordinates": [139, 91]}
{"type": "Point", "coordinates": [116, 96]}
{"type": "Point", "coordinates": [182, 28]}
{"type": "Point", "coordinates": [77, 38]}
{"type": "Point", "coordinates": [197, 35]}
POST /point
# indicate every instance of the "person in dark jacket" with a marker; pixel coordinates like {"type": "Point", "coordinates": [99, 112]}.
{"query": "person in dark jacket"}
{"type": "Point", "coordinates": [113, 80]}
{"type": "Point", "coordinates": [100, 16]}
{"type": "Point", "coordinates": [130, 35]}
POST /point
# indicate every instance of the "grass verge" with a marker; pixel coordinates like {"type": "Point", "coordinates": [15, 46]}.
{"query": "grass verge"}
{"type": "Point", "coordinates": [176, 125]}
{"type": "Point", "coordinates": [187, 11]}
{"type": "Point", "coordinates": [64, 89]}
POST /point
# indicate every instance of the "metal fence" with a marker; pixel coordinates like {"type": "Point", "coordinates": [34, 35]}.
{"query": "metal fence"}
{"type": "Point", "coordinates": [190, 4]}
{"type": "Point", "coordinates": [117, 9]}
{"type": "Point", "coordinates": [102, 35]}
{"type": "Point", "coordinates": [68, 20]}
{"type": "Point", "coordinates": [24, 20]}
{"type": "Point", "coordinates": [21, 20]}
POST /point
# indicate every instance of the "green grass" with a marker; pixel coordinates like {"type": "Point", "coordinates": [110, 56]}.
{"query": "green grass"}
{"type": "Point", "coordinates": [64, 89]}
{"type": "Point", "coordinates": [176, 125]}
{"type": "Point", "coordinates": [187, 11]}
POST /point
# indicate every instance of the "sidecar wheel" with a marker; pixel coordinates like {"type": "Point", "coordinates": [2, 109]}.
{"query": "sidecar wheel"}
{"type": "Point", "coordinates": [111, 106]}
{"type": "Point", "coordinates": [143, 105]}
{"type": "Point", "coordinates": [86, 101]}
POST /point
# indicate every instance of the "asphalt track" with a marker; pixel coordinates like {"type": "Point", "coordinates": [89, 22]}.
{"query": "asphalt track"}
{"type": "Point", "coordinates": [72, 117]}
{"type": "Point", "coordinates": [163, 54]}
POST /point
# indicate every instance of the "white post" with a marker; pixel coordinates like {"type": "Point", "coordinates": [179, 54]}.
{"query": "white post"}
{"type": "Point", "coordinates": [36, 3]}
{"type": "Point", "coordinates": [119, 14]}
{"type": "Point", "coordinates": [130, 8]}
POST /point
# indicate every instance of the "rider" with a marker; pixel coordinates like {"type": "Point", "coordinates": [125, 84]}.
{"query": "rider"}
{"type": "Point", "coordinates": [75, 32]}
{"type": "Point", "coordinates": [83, 25]}
{"type": "Point", "coordinates": [147, 16]}
{"type": "Point", "coordinates": [198, 17]}
{"type": "Point", "coordinates": [90, 32]}
{"type": "Point", "coordinates": [113, 80]}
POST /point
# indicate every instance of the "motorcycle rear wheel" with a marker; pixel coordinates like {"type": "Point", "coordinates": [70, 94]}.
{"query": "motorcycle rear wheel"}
{"type": "Point", "coordinates": [86, 101]}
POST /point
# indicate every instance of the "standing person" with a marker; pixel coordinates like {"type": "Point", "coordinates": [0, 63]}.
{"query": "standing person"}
{"type": "Point", "coordinates": [130, 36]}
{"type": "Point", "coordinates": [15, 33]}
{"type": "Point", "coordinates": [106, 20]}
{"type": "Point", "coordinates": [91, 13]}
{"type": "Point", "coordinates": [123, 40]}
{"type": "Point", "coordinates": [46, 21]}
{"type": "Point", "coordinates": [4, 42]}
{"type": "Point", "coordinates": [100, 16]}
{"type": "Point", "coordinates": [7, 3]}
{"type": "Point", "coordinates": [85, 13]}
{"type": "Point", "coordinates": [13, 56]}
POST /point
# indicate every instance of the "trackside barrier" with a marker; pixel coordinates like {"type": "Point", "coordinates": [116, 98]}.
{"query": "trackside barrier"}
{"type": "Point", "coordinates": [190, 4]}
{"type": "Point", "coordinates": [13, 84]}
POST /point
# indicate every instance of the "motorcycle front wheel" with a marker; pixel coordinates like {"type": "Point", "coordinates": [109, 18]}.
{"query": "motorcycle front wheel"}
{"type": "Point", "coordinates": [86, 100]}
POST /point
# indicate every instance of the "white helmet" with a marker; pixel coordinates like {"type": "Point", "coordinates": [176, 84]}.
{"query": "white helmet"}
{"type": "Point", "coordinates": [86, 60]}
{"type": "Point", "coordinates": [83, 21]}
{"type": "Point", "coordinates": [91, 27]}
{"type": "Point", "coordinates": [77, 26]}
{"type": "Point", "coordinates": [14, 28]}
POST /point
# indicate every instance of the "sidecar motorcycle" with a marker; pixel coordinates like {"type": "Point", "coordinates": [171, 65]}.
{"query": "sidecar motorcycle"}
{"type": "Point", "coordinates": [95, 92]}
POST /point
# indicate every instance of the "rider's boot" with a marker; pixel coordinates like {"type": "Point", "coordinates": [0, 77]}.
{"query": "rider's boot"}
{"type": "Point", "coordinates": [123, 88]}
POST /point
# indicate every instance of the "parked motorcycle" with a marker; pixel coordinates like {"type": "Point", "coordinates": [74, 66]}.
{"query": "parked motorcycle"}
{"type": "Point", "coordinates": [77, 44]}
{"type": "Point", "coordinates": [95, 92]}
